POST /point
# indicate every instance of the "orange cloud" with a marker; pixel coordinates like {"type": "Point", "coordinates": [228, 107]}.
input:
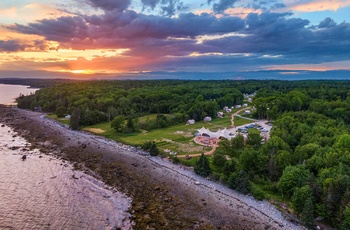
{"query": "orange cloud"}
{"type": "Point", "coordinates": [322, 5]}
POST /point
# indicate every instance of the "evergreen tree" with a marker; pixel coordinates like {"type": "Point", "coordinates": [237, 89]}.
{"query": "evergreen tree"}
{"type": "Point", "coordinates": [75, 119]}
{"type": "Point", "coordinates": [240, 182]}
{"type": "Point", "coordinates": [219, 160]}
{"type": "Point", "coordinates": [154, 149]}
{"type": "Point", "coordinates": [307, 216]}
{"type": "Point", "coordinates": [346, 219]}
{"type": "Point", "coordinates": [202, 166]}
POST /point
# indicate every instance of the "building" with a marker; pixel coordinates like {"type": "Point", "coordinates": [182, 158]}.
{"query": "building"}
{"type": "Point", "coordinates": [207, 119]}
{"type": "Point", "coordinates": [221, 133]}
{"type": "Point", "coordinates": [247, 112]}
{"type": "Point", "coordinates": [220, 114]}
{"type": "Point", "coordinates": [191, 122]}
{"type": "Point", "coordinates": [37, 109]}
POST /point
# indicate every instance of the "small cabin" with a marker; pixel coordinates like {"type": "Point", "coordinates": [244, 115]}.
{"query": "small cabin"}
{"type": "Point", "coordinates": [191, 122]}
{"type": "Point", "coordinates": [247, 112]}
{"type": "Point", "coordinates": [220, 114]}
{"type": "Point", "coordinates": [207, 119]}
{"type": "Point", "coordinates": [37, 109]}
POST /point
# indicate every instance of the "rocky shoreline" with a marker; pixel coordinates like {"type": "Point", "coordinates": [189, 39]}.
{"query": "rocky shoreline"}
{"type": "Point", "coordinates": [164, 196]}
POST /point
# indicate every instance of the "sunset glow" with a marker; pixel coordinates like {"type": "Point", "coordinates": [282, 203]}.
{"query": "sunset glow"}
{"type": "Point", "coordinates": [92, 37]}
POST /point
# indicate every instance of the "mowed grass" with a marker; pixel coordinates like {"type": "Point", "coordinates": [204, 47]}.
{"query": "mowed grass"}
{"type": "Point", "coordinates": [62, 120]}
{"type": "Point", "coordinates": [150, 117]}
{"type": "Point", "coordinates": [177, 138]}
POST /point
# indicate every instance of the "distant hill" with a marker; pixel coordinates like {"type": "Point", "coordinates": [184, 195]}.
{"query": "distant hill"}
{"type": "Point", "coordinates": [34, 83]}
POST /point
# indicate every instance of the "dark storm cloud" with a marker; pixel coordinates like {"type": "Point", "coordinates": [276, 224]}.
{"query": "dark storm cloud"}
{"type": "Point", "coordinates": [11, 46]}
{"type": "Point", "coordinates": [158, 36]}
{"type": "Point", "coordinates": [273, 34]}
{"type": "Point", "coordinates": [110, 5]}
{"type": "Point", "coordinates": [63, 29]}
{"type": "Point", "coordinates": [129, 26]}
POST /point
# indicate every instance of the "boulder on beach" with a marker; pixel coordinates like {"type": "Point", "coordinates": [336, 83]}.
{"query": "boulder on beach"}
{"type": "Point", "coordinates": [24, 157]}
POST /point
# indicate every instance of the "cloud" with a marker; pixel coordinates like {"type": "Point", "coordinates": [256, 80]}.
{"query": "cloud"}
{"type": "Point", "coordinates": [166, 7]}
{"type": "Point", "coordinates": [110, 5]}
{"type": "Point", "coordinates": [126, 29]}
{"type": "Point", "coordinates": [150, 3]}
{"type": "Point", "coordinates": [188, 40]}
{"type": "Point", "coordinates": [222, 5]}
{"type": "Point", "coordinates": [11, 46]}
{"type": "Point", "coordinates": [317, 5]}
{"type": "Point", "coordinates": [327, 22]}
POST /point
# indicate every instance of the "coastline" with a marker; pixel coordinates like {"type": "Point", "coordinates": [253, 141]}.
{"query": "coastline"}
{"type": "Point", "coordinates": [164, 195]}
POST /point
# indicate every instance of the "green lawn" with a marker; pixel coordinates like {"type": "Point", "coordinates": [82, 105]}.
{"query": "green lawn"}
{"type": "Point", "coordinates": [62, 120]}
{"type": "Point", "coordinates": [178, 138]}
{"type": "Point", "coordinates": [150, 117]}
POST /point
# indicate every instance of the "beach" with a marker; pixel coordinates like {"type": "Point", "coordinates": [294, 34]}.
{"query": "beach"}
{"type": "Point", "coordinates": [164, 195]}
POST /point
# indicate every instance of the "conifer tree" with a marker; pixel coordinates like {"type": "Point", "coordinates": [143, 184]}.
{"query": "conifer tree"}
{"type": "Point", "coordinates": [202, 166]}
{"type": "Point", "coordinates": [307, 216]}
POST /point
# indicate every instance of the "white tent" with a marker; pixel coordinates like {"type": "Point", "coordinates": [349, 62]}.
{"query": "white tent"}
{"type": "Point", "coordinates": [220, 133]}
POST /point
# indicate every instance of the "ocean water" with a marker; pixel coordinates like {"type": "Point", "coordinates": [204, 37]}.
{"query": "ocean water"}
{"type": "Point", "coordinates": [8, 93]}
{"type": "Point", "coordinates": [42, 192]}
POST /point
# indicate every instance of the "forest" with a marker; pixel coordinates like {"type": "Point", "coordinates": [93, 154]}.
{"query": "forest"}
{"type": "Point", "coordinates": [305, 163]}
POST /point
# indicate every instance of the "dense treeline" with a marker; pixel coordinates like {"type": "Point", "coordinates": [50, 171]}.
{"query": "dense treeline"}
{"type": "Point", "coordinates": [307, 158]}
{"type": "Point", "coordinates": [100, 101]}
{"type": "Point", "coordinates": [34, 82]}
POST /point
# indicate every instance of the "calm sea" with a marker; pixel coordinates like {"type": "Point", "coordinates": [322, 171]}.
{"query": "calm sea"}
{"type": "Point", "coordinates": [43, 192]}
{"type": "Point", "coordinates": [8, 93]}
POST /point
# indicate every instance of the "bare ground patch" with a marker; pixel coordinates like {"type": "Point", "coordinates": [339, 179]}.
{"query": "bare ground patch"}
{"type": "Point", "coordinates": [95, 130]}
{"type": "Point", "coordinates": [185, 134]}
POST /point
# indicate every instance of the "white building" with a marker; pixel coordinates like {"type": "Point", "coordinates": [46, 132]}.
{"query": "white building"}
{"type": "Point", "coordinates": [207, 118]}
{"type": "Point", "coordinates": [247, 112]}
{"type": "Point", "coordinates": [191, 122]}
{"type": "Point", "coordinates": [220, 114]}
{"type": "Point", "coordinates": [220, 133]}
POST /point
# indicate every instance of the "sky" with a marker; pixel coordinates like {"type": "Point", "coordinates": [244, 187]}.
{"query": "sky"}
{"type": "Point", "coordinates": [111, 38]}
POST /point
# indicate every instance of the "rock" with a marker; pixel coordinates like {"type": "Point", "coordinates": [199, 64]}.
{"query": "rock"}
{"type": "Point", "coordinates": [157, 188]}
{"type": "Point", "coordinates": [2, 125]}
{"type": "Point", "coordinates": [24, 157]}
{"type": "Point", "coordinates": [74, 177]}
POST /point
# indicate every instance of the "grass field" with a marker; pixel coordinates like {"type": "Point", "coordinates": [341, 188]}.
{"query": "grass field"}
{"type": "Point", "coordinates": [62, 120]}
{"type": "Point", "coordinates": [177, 138]}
